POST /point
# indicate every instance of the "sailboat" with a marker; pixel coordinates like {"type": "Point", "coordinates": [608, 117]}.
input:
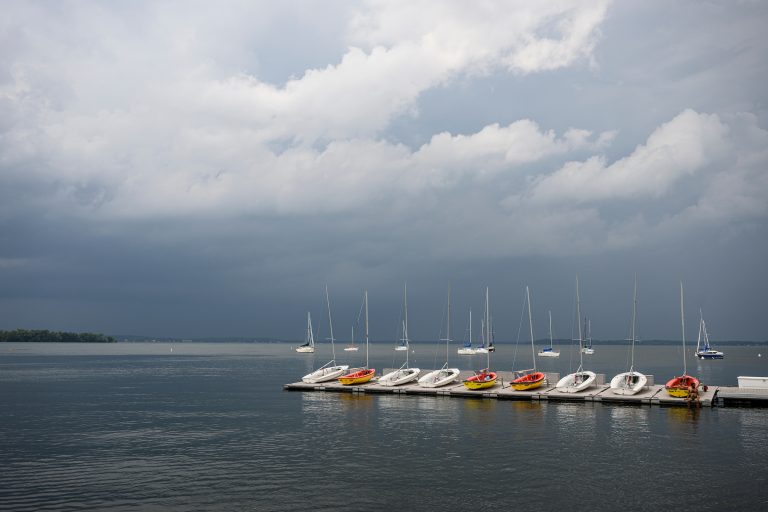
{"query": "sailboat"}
{"type": "Point", "coordinates": [467, 349]}
{"type": "Point", "coordinates": [581, 379]}
{"type": "Point", "coordinates": [485, 378]}
{"type": "Point", "coordinates": [588, 349]}
{"type": "Point", "coordinates": [444, 375]}
{"type": "Point", "coordinates": [330, 370]}
{"type": "Point", "coordinates": [482, 349]}
{"type": "Point", "coordinates": [629, 383]}
{"type": "Point", "coordinates": [531, 379]}
{"type": "Point", "coordinates": [309, 343]}
{"type": "Point", "coordinates": [365, 374]}
{"type": "Point", "coordinates": [549, 351]}
{"type": "Point", "coordinates": [703, 348]}
{"type": "Point", "coordinates": [680, 387]}
{"type": "Point", "coordinates": [404, 374]}
{"type": "Point", "coordinates": [351, 347]}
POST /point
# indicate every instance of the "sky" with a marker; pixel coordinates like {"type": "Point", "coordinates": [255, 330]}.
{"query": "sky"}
{"type": "Point", "coordinates": [191, 169]}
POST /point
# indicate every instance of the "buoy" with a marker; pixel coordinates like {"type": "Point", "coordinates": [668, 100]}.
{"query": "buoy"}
{"type": "Point", "coordinates": [759, 355]}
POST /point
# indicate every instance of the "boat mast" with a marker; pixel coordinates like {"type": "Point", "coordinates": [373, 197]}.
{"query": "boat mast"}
{"type": "Point", "coordinates": [310, 335]}
{"type": "Point", "coordinates": [405, 324]}
{"type": "Point", "coordinates": [578, 321]}
{"type": "Point", "coordinates": [470, 327]}
{"type": "Point", "coordinates": [487, 327]}
{"type": "Point", "coordinates": [682, 322]}
{"type": "Point", "coordinates": [530, 324]}
{"type": "Point", "coordinates": [330, 322]}
{"type": "Point", "coordinates": [448, 328]}
{"type": "Point", "coordinates": [366, 329]}
{"type": "Point", "coordinates": [634, 316]}
{"type": "Point", "coordinates": [550, 329]}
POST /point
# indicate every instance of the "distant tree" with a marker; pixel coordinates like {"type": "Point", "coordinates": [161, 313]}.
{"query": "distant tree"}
{"type": "Point", "coordinates": [46, 336]}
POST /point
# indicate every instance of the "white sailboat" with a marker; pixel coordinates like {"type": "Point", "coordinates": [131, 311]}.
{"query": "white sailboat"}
{"type": "Point", "coordinates": [351, 347]}
{"type": "Point", "coordinates": [588, 349]}
{"type": "Point", "coordinates": [330, 370]}
{"type": "Point", "coordinates": [549, 351]}
{"type": "Point", "coordinates": [309, 343]}
{"type": "Point", "coordinates": [703, 348]}
{"type": "Point", "coordinates": [482, 349]}
{"type": "Point", "coordinates": [444, 375]}
{"type": "Point", "coordinates": [467, 349]}
{"type": "Point", "coordinates": [404, 374]}
{"type": "Point", "coordinates": [629, 383]}
{"type": "Point", "coordinates": [581, 379]}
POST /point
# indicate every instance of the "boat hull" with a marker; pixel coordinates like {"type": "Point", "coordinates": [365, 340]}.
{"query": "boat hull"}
{"type": "Point", "coordinates": [575, 382]}
{"type": "Point", "coordinates": [325, 374]}
{"type": "Point", "coordinates": [588, 351]}
{"type": "Point", "coordinates": [481, 381]}
{"type": "Point", "coordinates": [399, 377]}
{"type": "Point", "coordinates": [628, 383]}
{"type": "Point", "coordinates": [358, 377]}
{"type": "Point", "coordinates": [467, 352]}
{"type": "Point", "coordinates": [530, 381]}
{"type": "Point", "coordinates": [439, 378]}
{"type": "Point", "coordinates": [680, 387]}
{"type": "Point", "coordinates": [710, 354]}
{"type": "Point", "coordinates": [401, 349]}
{"type": "Point", "coordinates": [548, 353]}
{"type": "Point", "coordinates": [350, 349]}
{"type": "Point", "coordinates": [305, 350]}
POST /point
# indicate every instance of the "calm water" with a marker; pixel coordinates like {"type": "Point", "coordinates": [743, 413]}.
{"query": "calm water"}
{"type": "Point", "coordinates": [208, 427]}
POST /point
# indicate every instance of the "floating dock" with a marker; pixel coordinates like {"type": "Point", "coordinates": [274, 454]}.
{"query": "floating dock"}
{"type": "Point", "coordinates": [652, 394]}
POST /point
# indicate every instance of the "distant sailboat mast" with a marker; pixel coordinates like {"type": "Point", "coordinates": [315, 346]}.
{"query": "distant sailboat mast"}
{"type": "Point", "coordinates": [330, 322]}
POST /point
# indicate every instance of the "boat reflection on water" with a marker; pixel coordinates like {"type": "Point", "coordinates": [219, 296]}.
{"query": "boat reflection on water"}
{"type": "Point", "coordinates": [577, 421]}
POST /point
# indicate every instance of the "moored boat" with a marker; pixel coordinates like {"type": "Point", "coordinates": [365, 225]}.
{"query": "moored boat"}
{"type": "Point", "coordinates": [529, 379]}
{"type": "Point", "coordinates": [330, 370]}
{"type": "Point", "coordinates": [580, 379]}
{"type": "Point", "coordinates": [364, 374]}
{"type": "Point", "coordinates": [549, 351]}
{"type": "Point", "coordinates": [684, 385]}
{"type": "Point", "coordinates": [631, 382]}
{"type": "Point", "coordinates": [484, 378]}
{"type": "Point", "coordinates": [404, 374]}
{"type": "Point", "coordinates": [703, 348]}
{"type": "Point", "coordinates": [309, 342]}
{"type": "Point", "coordinates": [444, 375]}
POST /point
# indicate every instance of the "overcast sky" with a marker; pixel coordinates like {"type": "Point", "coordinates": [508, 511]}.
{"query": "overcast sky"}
{"type": "Point", "coordinates": [204, 168]}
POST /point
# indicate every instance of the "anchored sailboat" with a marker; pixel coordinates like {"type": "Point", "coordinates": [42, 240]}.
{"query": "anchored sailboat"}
{"type": "Point", "coordinates": [581, 379]}
{"type": "Point", "coordinates": [404, 374]}
{"type": "Point", "coordinates": [467, 349]}
{"type": "Point", "coordinates": [530, 379]}
{"type": "Point", "coordinates": [364, 374]}
{"type": "Point", "coordinates": [629, 383]}
{"type": "Point", "coordinates": [681, 387]}
{"type": "Point", "coordinates": [588, 349]}
{"type": "Point", "coordinates": [703, 348]}
{"type": "Point", "coordinates": [549, 351]}
{"type": "Point", "coordinates": [485, 378]}
{"type": "Point", "coordinates": [444, 375]}
{"type": "Point", "coordinates": [330, 370]}
{"type": "Point", "coordinates": [351, 347]}
{"type": "Point", "coordinates": [309, 343]}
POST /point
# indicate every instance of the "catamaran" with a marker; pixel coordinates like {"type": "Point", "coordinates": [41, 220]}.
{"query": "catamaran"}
{"type": "Point", "coordinates": [581, 379]}
{"type": "Point", "coordinates": [405, 373]}
{"type": "Point", "coordinates": [444, 375]}
{"type": "Point", "coordinates": [681, 387]}
{"type": "Point", "coordinates": [330, 370]}
{"type": "Point", "coordinates": [549, 351]}
{"type": "Point", "coordinates": [703, 349]}
{"type": "Point", "coordinates": [485, 378]}
{"type": "Point", "coordinates": [309, 343]}
{"type": "Point", "coordinates": [529, 379]}
{"type": "Point", "coordinates": [629, 383]}
{"type": "Point", "coordinates": [364, 374]}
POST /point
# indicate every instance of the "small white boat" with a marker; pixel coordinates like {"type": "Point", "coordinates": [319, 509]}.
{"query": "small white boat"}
{"type": "Point", "coordinates": [444, 375]}
{"type": "Point", "coordinates": [309, 346]}
{"type": "Point", "coordinates": [631, 382]}
{"type": "Point", "coordinates": [330, 370]}
{"type": "Point", "coordinates": [467, 349]}
{"type": "Point", "coordinates": [587, 349]}
{"type": "Point", "coordinates": [325, 373]}
{"type": "Point", "coordinates": [351, 347]}
{"type": "Point", "coordinates": [581, 379]}
{"type": "Point", "coordinates": [549, 351]}
{"type": "Point", "coordinates": [404, 374]}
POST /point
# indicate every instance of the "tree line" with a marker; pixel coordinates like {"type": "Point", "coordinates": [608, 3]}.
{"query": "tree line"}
{"type": "Point", "coordinates": [46, 336]}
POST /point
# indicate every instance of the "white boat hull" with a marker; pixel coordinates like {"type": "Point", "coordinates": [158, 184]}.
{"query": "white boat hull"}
{"type": "Point", "coordinates": [350, 349]}
{"type": "Point", "coordinates": [575, 382]}
{"type": "Point", "coordinates": [467, 352]}
{"type": "Point", "coordinates": [482, 351]}
{"type": "Point", "coordinates": [305, 350]}
{"type": "Point", "coordinates": [628, 383]}
{"type": "Point", "coordinates": [753, 382]}
{"type": "Point", "coordinates": [325, 374]}
{"type": "Point", "coordinates": [588, 351]}
{"type": "Point", "coordinates": [439, 378]}
{"type": "Point", "coordinates": [548, 353]}
{"type": "Point", "coordinates": [399, 377]}
{"type": "Point", "coordinates": [401, 349]}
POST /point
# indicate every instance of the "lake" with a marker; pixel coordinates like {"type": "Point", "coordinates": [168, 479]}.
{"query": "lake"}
{"type": "Point", "coordinates": [153, 426]}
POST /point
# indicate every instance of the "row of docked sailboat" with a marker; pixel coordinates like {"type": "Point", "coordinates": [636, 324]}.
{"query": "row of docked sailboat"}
{"type": "Point", "coordinates": [626, 383]}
